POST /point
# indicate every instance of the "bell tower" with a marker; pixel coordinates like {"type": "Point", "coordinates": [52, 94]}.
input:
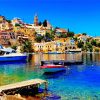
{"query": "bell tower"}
{"type": "Point", "coordinates": [36, 20]}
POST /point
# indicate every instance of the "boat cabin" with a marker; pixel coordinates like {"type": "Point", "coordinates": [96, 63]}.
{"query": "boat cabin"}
{"type": "Point", "coordinates": [4, 51]}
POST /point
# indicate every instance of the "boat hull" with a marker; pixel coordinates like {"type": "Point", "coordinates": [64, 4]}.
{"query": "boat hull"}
{"type": "Point", "coordinates": [13, 58]}
{"type": "Point", "coordinates": [53, 69]}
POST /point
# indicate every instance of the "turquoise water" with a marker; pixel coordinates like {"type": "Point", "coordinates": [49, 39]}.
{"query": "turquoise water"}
{"type": "Point", "coordinates": [78, 82]}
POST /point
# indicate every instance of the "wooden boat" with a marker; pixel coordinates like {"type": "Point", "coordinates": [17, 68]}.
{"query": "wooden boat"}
{"type": "Point", "coordinates": [52, 68]}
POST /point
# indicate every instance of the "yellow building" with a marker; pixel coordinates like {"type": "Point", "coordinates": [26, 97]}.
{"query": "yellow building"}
{"type": "Point", "coordinates": [44, 47]}
{"type": "Point", "coordinates": [53, 46]}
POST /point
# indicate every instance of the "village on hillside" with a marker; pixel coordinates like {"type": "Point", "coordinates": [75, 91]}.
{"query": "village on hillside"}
{"type": "Point", "coordinates": [43, 37]}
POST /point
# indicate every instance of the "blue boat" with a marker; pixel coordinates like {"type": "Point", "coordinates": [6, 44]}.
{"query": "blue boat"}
{"type": "Point", "coordinates": [13, 57]}
{"type": "Point", "coordinates": [9, 54]}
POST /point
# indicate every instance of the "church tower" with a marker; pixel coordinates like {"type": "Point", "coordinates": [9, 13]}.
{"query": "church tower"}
{"type": "Point", "coordinates": [35, 20]}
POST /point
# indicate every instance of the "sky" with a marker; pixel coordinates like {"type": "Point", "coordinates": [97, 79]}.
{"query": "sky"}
{"type": "Point", "coordinates": [77, 15]}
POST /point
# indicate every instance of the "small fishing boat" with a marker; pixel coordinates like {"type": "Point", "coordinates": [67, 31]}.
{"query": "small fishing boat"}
{"type": "Point", "coordinates": [52, 68]}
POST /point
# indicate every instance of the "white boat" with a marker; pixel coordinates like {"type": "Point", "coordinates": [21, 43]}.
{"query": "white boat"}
{"type": "Point", "coordinates": [8, 54]}
{"type": "Point", "coordinates": [73, 50]}
{"type": "Point", "coordinates": [53, 52]}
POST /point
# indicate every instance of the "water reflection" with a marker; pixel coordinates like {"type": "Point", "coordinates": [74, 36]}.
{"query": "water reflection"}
{"type": "Point", "coordinates": [91, 58]}
{"type": "Point", "coordinates": [37, 58]}
{"type": "Point", "coordinates": [11, 72]}
{"type": "Point", "coordinates": [54, 75]}
{"type": "Point", "coordinates": [80, 81]}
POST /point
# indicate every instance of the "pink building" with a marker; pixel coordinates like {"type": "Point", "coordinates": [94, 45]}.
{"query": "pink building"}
{"type": "Point", "coordinates": [4, 35]}
{"type": "Point", "coordinates": [4, 38]}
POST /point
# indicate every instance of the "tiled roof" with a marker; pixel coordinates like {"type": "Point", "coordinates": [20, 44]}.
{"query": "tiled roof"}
{"type": "Point", "coordinates": [61, 30]}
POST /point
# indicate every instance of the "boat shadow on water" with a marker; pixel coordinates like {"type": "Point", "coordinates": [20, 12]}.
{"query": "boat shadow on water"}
{"type": "Point", "coordinates": [53, 74]}
{"type": "Point", "coordinates": [13, 62]}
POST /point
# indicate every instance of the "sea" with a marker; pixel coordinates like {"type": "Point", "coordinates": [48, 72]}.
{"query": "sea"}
{"type": "Point", "coordinates": [77, 82]}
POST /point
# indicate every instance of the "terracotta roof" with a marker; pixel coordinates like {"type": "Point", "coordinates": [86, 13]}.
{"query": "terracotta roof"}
{"type": "Point", "coordinates": [61, 30]}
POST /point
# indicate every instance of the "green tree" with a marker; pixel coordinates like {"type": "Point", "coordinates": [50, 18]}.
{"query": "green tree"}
{"type": "Point", "coordinates": [75, 38]}
{"type": "Point", "coordinates": [9, 21]}
{"type": "Point", "coordinates": [85, 48]}
{"type": "Point", "coordinates": [39, 38]}
{"type": "Point", "coordinates": [52, 36]}
{"type": "Point", "coordinates": [84, 33]}
{"type": "Point", "coordinates": [63, 36]}
{"type": "Point", "coordinates": [94, 43]}
{"type": "Point", "coordinates": [80, 44]}
{"type": "Point", "coordinates": [52, 31]}
{"type": "Point", "coordinates": [14, 47]}
{"type": "Point", "coordinates": [49, 36]}
{"type": "Point", "coordinates": [27, 46]}
{"type": "Point", "coordinates": [45, 23]}
{"type": "Point", "coordinates": [70, 34]}
{"type": "Point", "coordinates": [17, 25]}
{"type": "Point", "coordinates": [90, 47]}
{"type": "Point", "coordinates": [40, 23]}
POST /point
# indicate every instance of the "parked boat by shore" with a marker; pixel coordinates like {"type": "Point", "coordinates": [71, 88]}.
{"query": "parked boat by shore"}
{"type": "Point", "coordinates": [13, 57]}
{"type": "Point", "coordinates": [73, 51]}
{"type": "Point", "coordinates": [52, 68]}
{"type": "Point", "coordinates": [53, 52]}
{"type": "Point", "coordinates": [8, 54]}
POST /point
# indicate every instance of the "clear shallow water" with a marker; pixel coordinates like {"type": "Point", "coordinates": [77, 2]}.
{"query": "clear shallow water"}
{"type": "Point", "coordinates": [78, 82]}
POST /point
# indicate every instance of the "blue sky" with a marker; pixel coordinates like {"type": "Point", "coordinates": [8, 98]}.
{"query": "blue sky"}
{"type": "Point", "coordinates": [77, 15]}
